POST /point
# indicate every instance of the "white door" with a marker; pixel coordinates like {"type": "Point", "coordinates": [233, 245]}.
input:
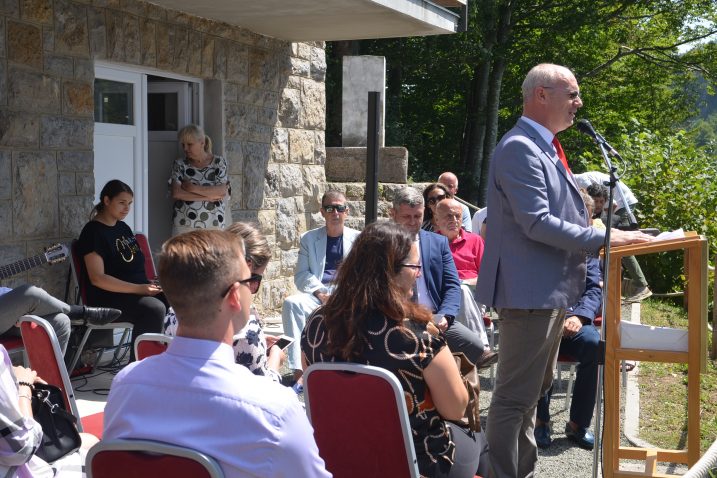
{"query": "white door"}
{"type": "Point", "coordinates": [118, 140]}
{"type": "Point", "coordinates": [169, 109]}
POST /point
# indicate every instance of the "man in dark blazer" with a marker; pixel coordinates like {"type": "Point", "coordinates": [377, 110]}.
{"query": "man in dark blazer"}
{"type": "Point", "coordinates": [533, 268]}
{"type": "Point", "coordinates": [438, 287]}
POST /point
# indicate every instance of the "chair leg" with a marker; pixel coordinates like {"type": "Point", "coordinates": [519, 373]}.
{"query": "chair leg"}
{"type": "Point", "coordinates": [569, 391]}
{"type": "Point", "coordinates": [78, 352]}
{"type": "Point", "coordinates": [123, 340]}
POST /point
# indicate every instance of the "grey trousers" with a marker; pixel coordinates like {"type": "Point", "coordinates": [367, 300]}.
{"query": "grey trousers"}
{"type": "Point", "coordinates": [29, 299]}
{"type": "Point", "coordinates": [529, 342]}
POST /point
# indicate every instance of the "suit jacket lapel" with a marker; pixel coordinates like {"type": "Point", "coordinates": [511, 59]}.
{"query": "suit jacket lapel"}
{"type": "Point", "coordinates": [548, 151]}
{"type": "Point", "coordinates": [320, 251]}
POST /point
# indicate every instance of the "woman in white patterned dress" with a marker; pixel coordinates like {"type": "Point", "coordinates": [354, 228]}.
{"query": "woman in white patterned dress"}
{"type": "Point", "coordinates": [200, 184]}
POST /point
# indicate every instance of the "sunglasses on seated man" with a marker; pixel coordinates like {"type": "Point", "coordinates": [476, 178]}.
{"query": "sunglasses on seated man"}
{"type": "Point", "coordinates": [340, 208]}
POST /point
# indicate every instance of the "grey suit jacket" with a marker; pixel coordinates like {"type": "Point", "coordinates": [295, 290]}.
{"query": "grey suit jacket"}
{"type": "Point", "coordinates": [312, 257]}
{"type": "Point", "coordinates": [537, 230]}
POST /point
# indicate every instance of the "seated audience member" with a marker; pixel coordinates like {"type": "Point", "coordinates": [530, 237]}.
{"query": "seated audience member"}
{"type": "Point", "coordinates": [438, 287]}
{"type": "Point", "coordinates": [371, 320]}
{"type": "Point", "coordinates": [450, 180]}
{"type": "Point", "coordinates": [432, 195]}
{"type": "Point", "coordinates": [580, 341]}
{"type": "Point", "coordinates": [321, 251]}
{"type": "Point", "coordinates": [467, 251]}
{"type": "Point", "coordinates": [22, 435]}
{"type": "Point", "coordinates": [194, 395]}
{"type": "Point", "coordinates": [29, 299]}
{"type": "Point", "coordinates": [250, 344]}
{"type": "Point", "coordinates": [600, 196]}
{"type": "Point", "coordinates": [113, 264]}
{"type": "Point", "coordinates": [479, 223]}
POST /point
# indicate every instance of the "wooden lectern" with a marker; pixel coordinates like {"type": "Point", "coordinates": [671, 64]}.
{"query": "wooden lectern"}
{"type": "Point", "coordinates": [695, 256]}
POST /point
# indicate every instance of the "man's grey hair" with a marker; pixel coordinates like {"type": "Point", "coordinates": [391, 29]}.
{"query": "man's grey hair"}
{"type": "Point", "coordinates": [407, 195]}
{"type": "Point", "coordinates": [544, 74]}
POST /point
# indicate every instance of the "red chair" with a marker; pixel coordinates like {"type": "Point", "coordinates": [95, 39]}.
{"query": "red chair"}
{"type": "Point", "coordinates": [45, 357]}
{"type": "Point", "coordinates": [143, 458]}
{"type": "Point", "coordinates": [77, 268]}
{"type": "Point", "coordinates": [360, 420]}
{"type": "Point", "coordinates": [143, 244]}
{"type": "Point", "coordinates": [150, 344]}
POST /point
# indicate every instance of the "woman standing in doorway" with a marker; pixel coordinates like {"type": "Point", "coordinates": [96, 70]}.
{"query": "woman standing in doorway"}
{"type": "Point", "coordinates": [200, 184]}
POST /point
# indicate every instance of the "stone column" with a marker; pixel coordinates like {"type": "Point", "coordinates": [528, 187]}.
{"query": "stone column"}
{"type": "Point", "coordinates": [361, 74]}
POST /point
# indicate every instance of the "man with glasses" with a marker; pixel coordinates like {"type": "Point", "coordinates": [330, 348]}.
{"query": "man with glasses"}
{"type": "Point", "coordinates": [321, 251]}
{"type": "Point", "coordinates": [534, 266]}
{"type": "Point", "coordinates": [450, 181]}
{"type": "Point", "coordinates": [194, 395]}
{"type": "Point", "coordinates": [438, 287]}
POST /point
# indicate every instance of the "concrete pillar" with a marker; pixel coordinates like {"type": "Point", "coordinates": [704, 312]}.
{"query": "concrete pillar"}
{"type": "Point", "coordinates": [361, 74]}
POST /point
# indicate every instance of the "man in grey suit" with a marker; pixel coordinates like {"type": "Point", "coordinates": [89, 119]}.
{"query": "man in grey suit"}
{"type": "Point", "coordinates": [533, 268]}
{"type": "Point", "coordinates": [320, 252]}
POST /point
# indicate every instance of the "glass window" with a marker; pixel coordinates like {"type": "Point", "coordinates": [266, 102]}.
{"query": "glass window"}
{"type": "Point", "coordinates": [162, 111]}
{"type": "Point", "coordinates": [114, 102]}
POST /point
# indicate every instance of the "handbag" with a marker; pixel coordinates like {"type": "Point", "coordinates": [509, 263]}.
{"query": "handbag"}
{"type": "Point", "coordinates": [469, 376]}
{"type": "Point", "coordinates": [59, 430]}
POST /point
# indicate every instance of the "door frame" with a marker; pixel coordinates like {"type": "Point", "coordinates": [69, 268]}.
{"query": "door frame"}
{"type": "Point", "coordinates": [118, 71]}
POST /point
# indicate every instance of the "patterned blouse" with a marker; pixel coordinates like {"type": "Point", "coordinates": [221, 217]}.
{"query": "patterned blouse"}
{"type": "Point", "coordinates": [405, 351]}
{"type": "Point", "coordinates": [200, 214]}
{"type": "Point", "coordinates": [249, 344]}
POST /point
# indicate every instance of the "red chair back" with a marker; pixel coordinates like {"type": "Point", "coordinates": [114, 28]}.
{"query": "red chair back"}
{"type": "Point", "coordinates": [150, 344]}
{"type": "Point", "coordinates": [143, 244]}
{"type": "Point", "coordinates": [45, 357]}
{"type": "Point", "coordinates": [360, 421]}
{"type": "Point", "coordinates": [142, 458]}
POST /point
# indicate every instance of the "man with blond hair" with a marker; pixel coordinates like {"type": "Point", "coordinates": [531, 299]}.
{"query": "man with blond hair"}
{"type": "Point", "coordinates": [534, 264]}
{"type": "Point", "coordinates": [194, 395]}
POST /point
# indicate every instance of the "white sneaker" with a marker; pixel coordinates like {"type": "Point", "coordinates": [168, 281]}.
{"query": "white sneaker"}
{"type": "Point", "coordinates": [639, 295]}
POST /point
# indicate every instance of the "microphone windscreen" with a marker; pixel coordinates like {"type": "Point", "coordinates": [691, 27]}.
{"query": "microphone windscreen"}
{"type": "Point", "coordinates": [585, 127]}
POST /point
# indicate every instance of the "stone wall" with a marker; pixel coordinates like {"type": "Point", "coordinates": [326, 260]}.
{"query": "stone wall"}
{"type": "Point", "coordinates": [274, 109]}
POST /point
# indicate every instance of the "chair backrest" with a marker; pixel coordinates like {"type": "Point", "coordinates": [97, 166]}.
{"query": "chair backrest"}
{"type": "Point", "coordinates": [150, 344]}
{"type": "Point", "coordinates": [143, 243]}
{"type": "Point", "coordinates": [360, 420]}
{"type": "Point", "coordinates": [142, 458]}
{"type": "Point", "coordinates": [45, 357]}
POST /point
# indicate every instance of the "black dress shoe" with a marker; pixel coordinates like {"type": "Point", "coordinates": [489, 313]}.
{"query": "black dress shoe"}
{"type": "Point", "coordinates": [487, 359]}
{"type": "Point", "coordinates": [101, 315]}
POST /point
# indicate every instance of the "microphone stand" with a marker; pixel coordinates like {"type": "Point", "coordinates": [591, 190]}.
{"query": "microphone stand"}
{"type": "Point", "coordinates": [606, 277]}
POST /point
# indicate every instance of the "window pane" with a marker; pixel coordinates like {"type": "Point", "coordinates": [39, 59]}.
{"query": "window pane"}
{"type": "Point", "coordinates": [162, 111]}
{"type": "Point", "coordinates": [113, 102]}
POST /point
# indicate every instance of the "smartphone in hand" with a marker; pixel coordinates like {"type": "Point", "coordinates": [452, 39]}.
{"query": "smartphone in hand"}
{"type": "Point", "coordinates": [284, 341]}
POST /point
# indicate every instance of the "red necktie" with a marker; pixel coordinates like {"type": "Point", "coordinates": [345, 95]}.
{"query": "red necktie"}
{"type": "Point", "coordinates": [561, 153]}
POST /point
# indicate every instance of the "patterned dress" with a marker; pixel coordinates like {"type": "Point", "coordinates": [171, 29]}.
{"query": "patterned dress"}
{"type": "Point", "coordinates": [249, 344]}
{"type": "Point", "coordinates": [405, 351]}
{"type": "Point", "coordinates": [200, 214]}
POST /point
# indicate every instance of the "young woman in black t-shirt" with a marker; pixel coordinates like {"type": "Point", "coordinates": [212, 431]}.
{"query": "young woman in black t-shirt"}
{"type": "Point", "coordinates": [114, 264]}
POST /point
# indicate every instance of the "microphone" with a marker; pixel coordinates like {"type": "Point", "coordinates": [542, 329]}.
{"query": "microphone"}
{"type": "Point", "coordinates": [585, 127]}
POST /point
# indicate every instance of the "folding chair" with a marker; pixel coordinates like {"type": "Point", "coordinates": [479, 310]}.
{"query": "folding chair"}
{"type": "Point", "coordinates": [150, 344]}
{"type": "Point", "coordinates": [360, 420]}
{"type": "Point", "coordinates": [45, 357]}
{"type": "Point", "coordinates": [77, 268]}
{"type": "Point", "coordinates": [141, 458]}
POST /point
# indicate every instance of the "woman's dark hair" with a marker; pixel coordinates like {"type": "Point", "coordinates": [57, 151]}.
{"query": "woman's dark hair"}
{"type": "Point", "coordinates": [366, 285]}
{"type": "Point", "coordinates": [427, 213]}
{"type": "Point", "coordinates": [112, 189]}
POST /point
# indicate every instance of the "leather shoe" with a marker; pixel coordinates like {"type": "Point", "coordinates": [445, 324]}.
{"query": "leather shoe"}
{"type": "Point", "coordinates": [542, 435]}
{"type": "Point", "coordinates": [582, 436]}
{"type": "Point", "coordinates": [487, 359]}
{"type": "Point", "coordinates": [100, 315]}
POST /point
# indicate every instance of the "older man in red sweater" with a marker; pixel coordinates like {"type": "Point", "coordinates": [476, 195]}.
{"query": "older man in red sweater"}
{"type": "Point", "coordinates": [467, 251]}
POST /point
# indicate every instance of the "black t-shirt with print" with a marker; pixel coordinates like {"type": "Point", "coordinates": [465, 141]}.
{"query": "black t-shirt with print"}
{"type": "Point", "coordinates": [118, 248]}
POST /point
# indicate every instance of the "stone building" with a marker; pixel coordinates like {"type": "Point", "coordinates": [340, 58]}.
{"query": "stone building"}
{"type": "Point", "coordinates": [96, 89]}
